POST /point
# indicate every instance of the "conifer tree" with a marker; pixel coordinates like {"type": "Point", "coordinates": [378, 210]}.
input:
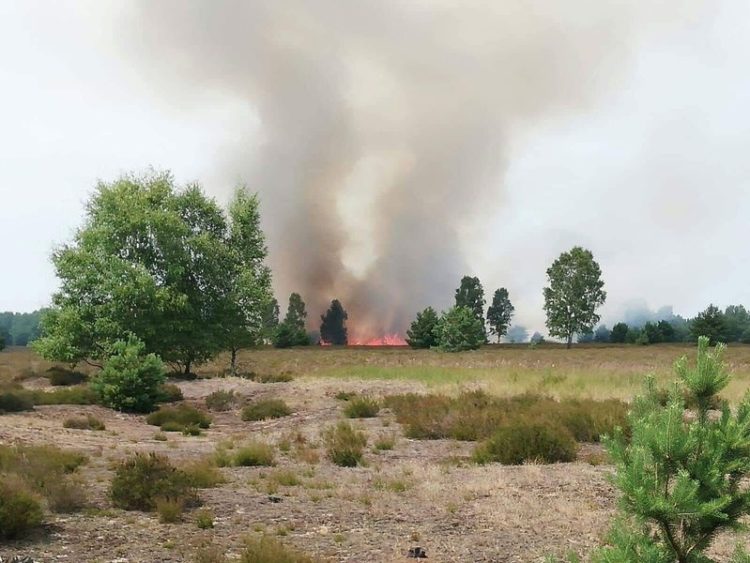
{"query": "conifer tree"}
{"type": "Point", "coordinates": [421, 334]}
{"type": "Point", "coordinates": [683, 472]}
{"type": "Point", "coordinates": [333, 324]}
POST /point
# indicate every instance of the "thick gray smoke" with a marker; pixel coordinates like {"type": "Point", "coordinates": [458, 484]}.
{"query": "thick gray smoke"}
{"type": "Point", "coordinates": [383, 127]}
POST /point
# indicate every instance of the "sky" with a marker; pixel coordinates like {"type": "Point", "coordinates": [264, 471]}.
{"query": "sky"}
{"type": "Point", "coordinates": [637, 151]}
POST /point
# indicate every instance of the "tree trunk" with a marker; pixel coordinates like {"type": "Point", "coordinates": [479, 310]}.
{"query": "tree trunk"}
{"type": "Point", "coordinates": [187, 367]}
{"type": "Point", "coordinates": [233, 368]}
{"type": "Point", "coordinates": [570, 341]}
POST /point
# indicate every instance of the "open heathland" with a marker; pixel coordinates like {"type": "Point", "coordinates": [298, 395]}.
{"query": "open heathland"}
{"type": "Point", "coordinates": [430, 473]}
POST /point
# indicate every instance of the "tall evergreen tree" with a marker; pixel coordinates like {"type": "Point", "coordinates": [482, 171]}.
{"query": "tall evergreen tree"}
{"type": "Point", "coordinates": [500, 313]}
{"type": "Point", "coordinates": [710, 323]}
{"type": "Point", "coordinates": [619, 333]}
{"type": "Point", "coordinates": [573, 295]}
{"type": "Point", "coordinates": [421, 334]}
{"type": "Point", "coordinates": [333, 324]}
{"type": "Point", "coordinates": [682, 476]}
{"type": "Point", "coordinates": [270, 319]}
{"type": "Point", "coordinates": [470, 294]}
{"type": "Point", "coordinates": [291, 332]}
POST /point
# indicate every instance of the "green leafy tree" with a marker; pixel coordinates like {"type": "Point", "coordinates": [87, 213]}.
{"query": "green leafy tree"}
{"type": "Point", "coordinates": [737, 321]}
{"type": "Point", "coordinates": [149, 261]}
{"type": "Point", "coordinates": [653, 333]}
{"type": "Point", "coordinates": [459, 330]}
{"type": "Point", "coordinates": [667, 331]}
{"type": "Point", "coordinates": [470, 294]}
{"type": "Point", "coordinates": [249, 292]}
{"type": "Point", "coordinates": [710, 323]}
{"type": "Point", "coordinates": [130, 378]}
{"type": "Point", "coordinates": [333, 324]}
{"type": "Point", "coordinates": [573, 295]}
{"type": "Point", "coordinates": [682, 476]}
{"type": "Point", "coordinates": [270, 319]}
{"type": "Point", "coordinates": [619, 333]}
{"type": "Point", "coordinates": [421, 334]}
{"type": "Point", "coordinates": [292, 331]}
{"type": "Point", "coordinates": [500, 313]}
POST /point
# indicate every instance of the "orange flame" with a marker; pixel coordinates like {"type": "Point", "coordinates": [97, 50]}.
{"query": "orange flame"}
{"type": "Point", "coordinates": [387, 340]}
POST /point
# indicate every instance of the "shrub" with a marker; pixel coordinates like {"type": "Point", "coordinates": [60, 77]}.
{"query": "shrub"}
{"type": "Point", "coordinates": [385, 443]}
{"type": "Point", "coordinates": [177, 418]}
{"type": "Point", "coordinates": [682, 479]}
{"type": "Point", "coordinates": [269, 550]}
{"type": "Point", "coordinates": [15, 401]}
{"type": "Point", "coordinates": [210, 554]}
{"type": "Point", "coordinates": [221, 400]}
{"type": "Point", "coordinates": [344, 444]}
{"type": "Point", "coordinates": [254, 454]}
{"type": "Point", "coordinates": [204, 519]}
{"type": "Point", "coordinates": [459, 329]}
{"type": "Point", "coordinates": [169, 393]}
{"type": "Point", "coordinates": [65, 495]}
{"type": "Point", "coordinates": [283, 377]}
{"type": "Point", "coordinates": [344, 395]}
{"type": "Point", "coordinates": [60, 376]}
{"type": "Point", "coordinates": [362, 407]}
{"type": "Point", "coordinates": [88, 422]}
{"type": "Point", "coordinates": [192, 430]}
{"type": "Point", "coordinates": [287, 335]}
{"type": "Point", "coordinates": [130, 379]}
{"type": "Point", "coordinates": [143, 478]}
{"type": "Point", "coordinates": [73, 395]}
{"type": "Point", "coordinates": [20, 511]}
{"type": "Point", "coordinates": [169, 509]}
{"type": "Point", "coordinates": [265, 409]}
{"type": "Point", "coordinates": [523, 440]}
{"type": "Point", "coordinates": [421, 333]}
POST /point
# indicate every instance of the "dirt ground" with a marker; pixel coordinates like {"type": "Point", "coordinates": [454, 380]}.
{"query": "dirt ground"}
{"type": "Point", "coordinates": [420, 493]}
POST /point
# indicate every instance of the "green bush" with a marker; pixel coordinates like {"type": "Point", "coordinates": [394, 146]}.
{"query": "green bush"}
{"type": "Point", "coordinates": [169, 509]}
{"type": "Point", "coordinates": [221, 400]}
{"type": "Point", "coordinates": [142, 479]}
{"type": "Point", "coordinates": [283, 377]}
{"type": "Point", "coordinates": [20, 511]}
{"type": "Point", "coordinates": [362, 407]}
{"type": "Point", "coordinates": [254, 454]}
{"type": "Point", "coordinates": [459, 330]}
{"type": "Point", "coordinates": [73, 395]}
{"type": "Point", "coordinates": [523, 440]}
{"type": "Point", "coordinates": [169, 393]}
{"type": "Point", "coordinates": [287, 335]}
{"type": "Point", "coordinates": [88, 422]}
{"type": "Point", "coordinates": [60, 376]}
{"type": "Point", "coordinates": [130, 379]}
{"type": "Point", "coordinates": [344, 444]}
{"type": "Point", "coordinates": [204, 519]}
{"type": "Point", "coordinates": [265, 409]}
{"type": "Point", "coordinates": [177, 418]}
{"type": "Point", "coordinates": [204, 474]}
{"type": "Point", "coordinates": [15, 400]}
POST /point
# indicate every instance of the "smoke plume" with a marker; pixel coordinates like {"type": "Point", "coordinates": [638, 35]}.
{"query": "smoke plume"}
{"type": "Point", "coordinates": [378, 131]}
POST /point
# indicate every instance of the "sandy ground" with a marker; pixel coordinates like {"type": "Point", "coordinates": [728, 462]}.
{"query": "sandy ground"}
{"type": "Point", "coordinates": [421, 493]}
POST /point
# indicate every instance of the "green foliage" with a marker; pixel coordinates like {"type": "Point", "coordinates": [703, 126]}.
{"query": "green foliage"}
{"type": "Point", "coordinates": [130, 378]}
{"type": "Point", "coordinates": [333, 324]}
{"type": "Point", "coordinates": [681, 475]}
{"type": "Point", "coordinates": [178, 417]}
{"type": "Point", "coordinates": [521, 441]}
{"type": "Point", "coordinates": [362, 407]}
{"type": "Point", "coordinates": [74, 395]}
{"type": "Point", "coordinates": [203, 474]}
{"type": "Point", "coordinates": [573, 295]}
{"type": "Point", "coordinates": [204, 519]}
{"type": "Point", "coordinates": [265, 409]}
{"type": "Point", "coordinates": [500, 313]}
{"type": "Point", "coordinates": [470, 294]}
{"type": "Point", "coordinates": [143, 479]}
{"type": "Point", "coordinates": [270, 319]}
{"type": "Point", "coordinates": [602, 334]}
{"type": "Point", "coordinates": [421, 334]}
{"type": "Point", "coordinates": [19, 329]}
{"type": "Point", "coordinates": [169, 393]}
{"type": "Point", "coordinates": [344, 445]}
{"type": "Point", "coordinates": [710, 323]}
{"type": "Point", "coordinates": [61, 377]}
{"type": "Point", "coordinates": [254, 454]}
{"type": "Point", "coordinates": [20, 510]}
{"type": "Point", "coordinates": [619, 333]}
{"type": "Point", "coordinates": [15, 400]}
{"type": "Point", "coordinates": [169, 509]}
{"type": "Point", "coordinates": [287, 335]}
{"type": "Point", "coordinates": [162, 264]}
{"type": "Point", "coordinates": [459, 330]}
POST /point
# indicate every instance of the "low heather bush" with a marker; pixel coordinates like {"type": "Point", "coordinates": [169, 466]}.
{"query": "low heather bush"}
{"type": "Point", "coordinates": [265, 409]}
{"type": "Point", "coordinates": [221, 400]}
{"type": "Point", "coordinates": [524, 440]}
{"type": "Point", "coordinates": [254, 454]}
{"type": "Point", "coordinates": [269, 550]}
{"type": "Point", "coordinates": [20, 509]}
{"type": "Point", "coordinates": [15, 400]}
{"type": "Point", "coordinates": [88, 422]}
{"type": "Point", "coordinates": [344, 444]}
{"type": "Point", "coordinates": [177, 418]}
{"type": "Point", "coordinates": [169, 393]}
{"type": "Point", "coordinates": [143, 479]}
{"type": "Point", "coordinates": [362, 407]}
{"type": "Point", "coordinates": [59, 376]}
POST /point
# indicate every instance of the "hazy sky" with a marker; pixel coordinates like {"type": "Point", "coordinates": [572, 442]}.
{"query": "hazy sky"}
{"type": "Point", "coordinates": [648, 169]}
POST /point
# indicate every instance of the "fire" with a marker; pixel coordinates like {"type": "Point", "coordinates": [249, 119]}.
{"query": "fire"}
{"type": "Point", "coordinates": [387, 340]}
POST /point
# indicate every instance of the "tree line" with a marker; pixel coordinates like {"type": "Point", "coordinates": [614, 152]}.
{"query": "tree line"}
{"type": "Point", "coordinates": [19, 329]}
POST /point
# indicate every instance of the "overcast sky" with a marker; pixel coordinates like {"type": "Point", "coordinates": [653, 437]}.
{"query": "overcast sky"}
{"type": "Point", "coordinates": [651, 173]}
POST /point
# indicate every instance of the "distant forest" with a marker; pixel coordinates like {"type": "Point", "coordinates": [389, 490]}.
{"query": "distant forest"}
{"type": "Point", "coordinates": [18, 329]}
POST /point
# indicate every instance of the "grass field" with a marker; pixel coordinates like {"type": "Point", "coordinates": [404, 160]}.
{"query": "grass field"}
{"type": "Point", "coordinates": [406, 492]}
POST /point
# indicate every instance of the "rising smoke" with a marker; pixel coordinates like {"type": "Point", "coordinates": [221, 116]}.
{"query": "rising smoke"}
{"type": "Point", "coordinates": [385, 126]}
